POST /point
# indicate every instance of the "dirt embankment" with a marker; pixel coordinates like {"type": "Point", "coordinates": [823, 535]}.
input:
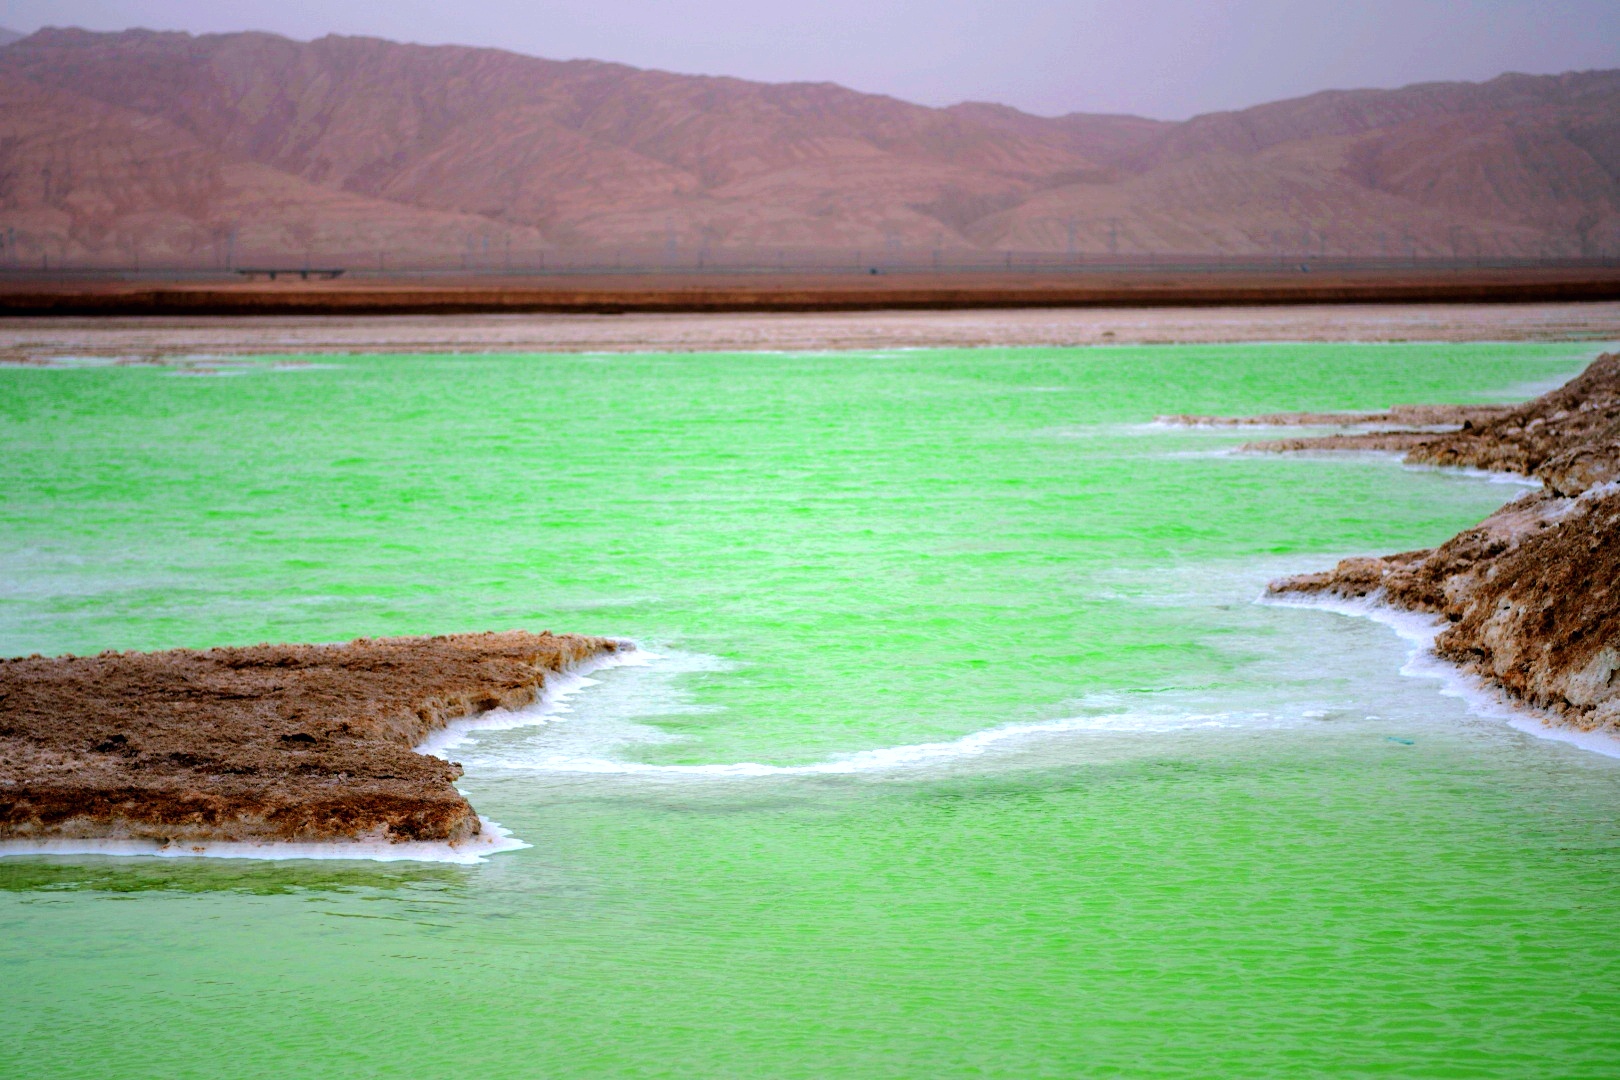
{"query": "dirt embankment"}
{"type": "Point", "coordinates": [1531, 595]}
{"type": "Point", "coordinates": [268, 742]}
{"type": "Point", "coordinates": [796, 292]}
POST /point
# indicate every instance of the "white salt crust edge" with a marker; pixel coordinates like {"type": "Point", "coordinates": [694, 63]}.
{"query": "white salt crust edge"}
{"type": "Point", "coordinates": [1419, 631]}
{"type": "Point", "coordinates": [492, 839]}
{"type": "Point", "coordinates": [888, 758]}
{"type": "Point", "coordinates": [557, 688]}
{"type": "Point", "coordinates": [1392, 457]}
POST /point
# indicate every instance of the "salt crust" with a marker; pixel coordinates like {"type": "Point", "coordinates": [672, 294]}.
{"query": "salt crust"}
{"type": "Point", "coordinates": [491, 839]}
{"type": "Point", "coordinates": [1419, 631]}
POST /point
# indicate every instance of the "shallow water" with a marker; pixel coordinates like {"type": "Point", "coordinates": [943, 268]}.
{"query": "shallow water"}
{"type": "Point", "coordinates": [966, 751]}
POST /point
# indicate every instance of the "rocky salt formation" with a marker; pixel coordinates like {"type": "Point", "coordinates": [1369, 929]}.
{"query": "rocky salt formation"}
{"type": "Point", "coordinates": [1530, 597]}
{"type": "Point", "coordinates": [265, 743]}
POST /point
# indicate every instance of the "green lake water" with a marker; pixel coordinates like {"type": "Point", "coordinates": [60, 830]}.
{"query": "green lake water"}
{"type": "Point", "coordinates": [965, 752]}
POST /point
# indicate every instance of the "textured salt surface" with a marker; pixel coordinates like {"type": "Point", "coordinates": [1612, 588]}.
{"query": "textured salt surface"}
{"type": "Point", "coordinates": [370, 842]}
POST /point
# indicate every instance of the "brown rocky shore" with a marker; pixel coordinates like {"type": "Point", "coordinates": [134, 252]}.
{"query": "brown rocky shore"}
{"type": "Point", "coordinates": [263, 743]}
{"type": "Point", "coordinates": [1530, 597]}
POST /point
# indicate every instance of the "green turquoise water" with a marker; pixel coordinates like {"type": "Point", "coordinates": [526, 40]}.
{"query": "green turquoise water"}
{"type": "Point", "coordinates": [966, 752]}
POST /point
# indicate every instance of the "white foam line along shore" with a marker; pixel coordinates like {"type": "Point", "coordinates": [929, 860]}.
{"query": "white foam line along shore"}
{"type": "Point", "coordinates": [1471, 473]}
{"type": "Point", "coordinates": [557, 689]}
{"type": "Point", "coordinates": [1392, 457]}
{"type": "Point", "coordinates": [493, 839]}
{"type": "Point", "coordinates": [891, 758]}
{"type": "Point", "coordinates": [1419, 631]}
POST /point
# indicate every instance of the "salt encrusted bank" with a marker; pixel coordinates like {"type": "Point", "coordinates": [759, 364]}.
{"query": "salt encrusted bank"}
{"type": "Point", "coordinates": [268, 743]}
{"type": "Point", "coordinates": [1530, 597]}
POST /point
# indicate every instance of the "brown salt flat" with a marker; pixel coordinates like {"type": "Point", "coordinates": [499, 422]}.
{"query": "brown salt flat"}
{"type": "Point", "coordinates": [1530, 596]}
{"type": "Point", "coordinates": [268, 742]}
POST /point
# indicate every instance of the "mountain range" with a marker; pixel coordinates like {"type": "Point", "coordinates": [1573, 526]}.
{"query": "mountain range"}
{"type": "Point", "coordinates": [119, 147]}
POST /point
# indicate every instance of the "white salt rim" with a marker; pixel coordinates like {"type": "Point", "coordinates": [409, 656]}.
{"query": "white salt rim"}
{"type": "Point", "coordinates": [475, 849]}
{"type": "Point", "coordinates": [1482, 698]}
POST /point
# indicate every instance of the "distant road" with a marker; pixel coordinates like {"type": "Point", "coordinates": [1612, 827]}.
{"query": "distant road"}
{"type": "Point", "coordinates": [42, 295]}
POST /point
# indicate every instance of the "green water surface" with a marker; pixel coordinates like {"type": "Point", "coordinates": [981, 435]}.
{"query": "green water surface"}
{"type": "Point", "coordinates": [966, 752]}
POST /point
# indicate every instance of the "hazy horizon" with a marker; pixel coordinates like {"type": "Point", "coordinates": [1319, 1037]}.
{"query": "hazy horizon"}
{"type": "Point", "coordinates": [1166, 59]}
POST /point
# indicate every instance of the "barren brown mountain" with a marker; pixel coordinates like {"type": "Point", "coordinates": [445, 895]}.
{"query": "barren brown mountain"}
{"type": "Point", "coordinates": [165, 146]}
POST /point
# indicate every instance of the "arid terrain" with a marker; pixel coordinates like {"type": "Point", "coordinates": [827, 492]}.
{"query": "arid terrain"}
{"type": "Point", "coordinates": [268, 742]}
{"type": "Point", "coordinates": [143, 148]}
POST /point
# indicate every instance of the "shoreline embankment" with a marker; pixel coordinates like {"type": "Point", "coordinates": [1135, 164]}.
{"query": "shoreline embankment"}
{"type": "Point", "coordinates": [45, 295]}
{"type": "Point", "coordinates": [265, 744]}
{"type": "Point", "coordinates": [1529, 599]}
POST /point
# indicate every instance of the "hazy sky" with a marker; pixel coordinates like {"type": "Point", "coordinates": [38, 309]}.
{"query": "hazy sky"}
{"type": "Point", "coordinates": [1164, 58]}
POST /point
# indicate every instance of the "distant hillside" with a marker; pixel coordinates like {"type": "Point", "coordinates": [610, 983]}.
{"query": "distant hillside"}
{"type": "Point", "coordinates": [165, 145]}
{"type": "Point", "coordinates": [8, 36]}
